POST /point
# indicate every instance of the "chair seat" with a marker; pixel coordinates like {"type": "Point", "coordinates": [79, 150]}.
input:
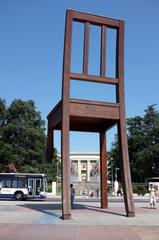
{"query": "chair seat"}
{"type": "Point", "coordinates": [90, 116]}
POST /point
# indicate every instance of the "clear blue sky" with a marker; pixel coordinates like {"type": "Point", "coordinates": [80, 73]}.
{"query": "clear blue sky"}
{"type": "Point", "coordinates": [31, 54]}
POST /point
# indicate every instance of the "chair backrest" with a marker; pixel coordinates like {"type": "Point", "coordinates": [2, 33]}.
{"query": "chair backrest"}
{"type": "Point", "coordinates": [104, 23]}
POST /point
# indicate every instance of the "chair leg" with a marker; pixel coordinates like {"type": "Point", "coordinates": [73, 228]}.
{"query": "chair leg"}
{"type": "Point", "coordinates": [125, 170]}
{"type": "Point", "coordinates": [103, 170]}
{"type": "Point", "coordinates": [66, 170]}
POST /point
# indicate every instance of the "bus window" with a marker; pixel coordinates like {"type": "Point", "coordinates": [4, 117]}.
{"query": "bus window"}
{"type": "Point", "coordinates": [2, 184]}
{"type": "Point", "coordinates": [7, 184]}
{"type": "Point", "coordinates": [14, 184]}
{"type": "Point", "coordinates": [21, 184]}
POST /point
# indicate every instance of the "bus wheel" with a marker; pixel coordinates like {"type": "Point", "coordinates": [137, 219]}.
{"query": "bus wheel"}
{"type": "Point", "coordinates": [18, 196]}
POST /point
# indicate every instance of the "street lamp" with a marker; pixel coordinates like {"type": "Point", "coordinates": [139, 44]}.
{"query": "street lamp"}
{"type": "Point", "coordinates": [112, 171]}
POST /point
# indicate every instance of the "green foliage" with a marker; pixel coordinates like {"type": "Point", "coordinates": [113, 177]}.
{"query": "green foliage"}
{"type": "Point", "coordinates": [2, 112]}
{"type": "Point", "coordinates": [143, 143]}
{"type": "Point", "coordinates": [24, 131]}
{"type": "Point", "coordinates": [139, 189]}
{"type": "Point", "coordinates": [23, 140]}
{"type": "Point", "coordinates": [49, 187]}
{"type": "Point", "coordinates": [58, 187]}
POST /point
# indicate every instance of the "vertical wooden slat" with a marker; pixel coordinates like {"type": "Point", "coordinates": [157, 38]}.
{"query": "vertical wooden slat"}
{"type": "Point", "coordinates": [103, 170]}
{"type": "Point", "coordinates": [103, 52]}
{"type": "Point", "coordinates": [86, 48]}
{"type": "Point", "coordinates": [117, 65]}
{"type": "Point", "coordinates": [66, 204]}
{"type": "Point", "coordinates": [122, 136]}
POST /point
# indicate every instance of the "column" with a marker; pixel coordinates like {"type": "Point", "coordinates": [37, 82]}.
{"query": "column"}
{"type": "Point", "coordinates": [79, 170]}
{"type": "Point", "coordinates": [88, 170]}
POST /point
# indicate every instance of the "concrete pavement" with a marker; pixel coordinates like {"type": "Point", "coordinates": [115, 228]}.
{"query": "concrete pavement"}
{"type": "Point", "coordinates": [41, 220]}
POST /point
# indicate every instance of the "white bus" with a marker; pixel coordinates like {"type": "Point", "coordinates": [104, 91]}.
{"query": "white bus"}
{"type": "Point", "coordinates": [22, 186]}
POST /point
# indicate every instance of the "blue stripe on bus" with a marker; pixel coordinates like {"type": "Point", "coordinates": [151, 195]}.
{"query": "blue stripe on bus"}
{"type": "Point", "coordinates": [6, 195]}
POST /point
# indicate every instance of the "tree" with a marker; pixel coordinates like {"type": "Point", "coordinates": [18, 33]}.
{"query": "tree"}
{"type": "Point", "coordinates": [150, 153]}
{"type": "Point", "coordinates": [5, 148]}
{"type": "Point", "coordinates": [2, 112]}
{"type": "Point", "coordinates": [136, 143]}
{"type": "Point", "coordinates": [23, 140]}
{"type": "Point", "coordinates": [52, 168]}
{"type": "Point", "coordinates": [22, 135]}
{"type": "Point", "coordinates": [143, 143]}
{"type": "Point", "coordinates": [24, 131]}
{"type": "Point", "coordinates": [10, 168]}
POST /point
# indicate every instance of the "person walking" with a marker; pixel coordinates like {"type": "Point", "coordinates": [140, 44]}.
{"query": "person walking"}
{"type": "Point", "coordinates": [72, 191]}
{"type": "Point", "coordinates": [84, 193]}
{"type": "Point", "coordinates": [152, 196]}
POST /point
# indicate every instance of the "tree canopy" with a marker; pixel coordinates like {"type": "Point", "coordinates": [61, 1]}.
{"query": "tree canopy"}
{"type": "Point", "coordinates": [22, 138]}
{"type": "Point", "coordinates": [143, 143]}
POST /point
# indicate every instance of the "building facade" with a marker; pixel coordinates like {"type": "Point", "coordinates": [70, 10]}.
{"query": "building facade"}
{"type": "Point", "coordinates": [85, 167]}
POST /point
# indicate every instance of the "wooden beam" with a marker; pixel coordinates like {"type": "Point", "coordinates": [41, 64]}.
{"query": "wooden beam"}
{"type": "Point", "coordinates": [122, 136]}
{"type": "Point", "coordinates": [94, 19]}
{"type": "Point", "coordinates": [103, 52]}
{"type": "Point", "coordinates": [94, 111]}
{"type": "Point", "coordinates": [103, 170]}
{"type": "Point", "coordinates": [86, 48]}
{"type": "Point", "coordinates": [58, 105]}
{"type": "Point", "coordinates": [90, 78]}
{"type": "Point", "coordinates": [55, 118]}
{"type": "Point", "coordinates": [65, 156]}
{"type": "Point", "coordinates": [125, 170]}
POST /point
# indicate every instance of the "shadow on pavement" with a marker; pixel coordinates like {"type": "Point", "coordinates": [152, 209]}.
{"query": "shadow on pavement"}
{"type": "Point", "coordinates": [105, 210]}
{"type": "Point", "coordinates": [44, 208]}
{"type": "Point", "coordinates": [49, 209]}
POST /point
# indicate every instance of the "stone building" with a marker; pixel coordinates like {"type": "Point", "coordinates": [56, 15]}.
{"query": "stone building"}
{"type": "Point", "coordinates": [85, 171]}
{"type": "Point", "coordinates": [85, 167]}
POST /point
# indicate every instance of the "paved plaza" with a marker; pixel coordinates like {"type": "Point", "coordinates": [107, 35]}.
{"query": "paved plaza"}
{"type": "Point", "coordinates": [41, 220]}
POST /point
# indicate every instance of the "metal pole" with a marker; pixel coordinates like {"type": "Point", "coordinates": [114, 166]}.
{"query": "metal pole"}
{"type": "Point", "coordinates": [112, 172]}
{"type": "Point", "coordinates": [116, 174]}
{"type": "Point", "coordinates": [56, 177]}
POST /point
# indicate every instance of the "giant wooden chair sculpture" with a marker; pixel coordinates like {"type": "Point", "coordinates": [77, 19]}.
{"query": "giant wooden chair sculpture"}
{"type": "Point", "coordinates": [91, 116]}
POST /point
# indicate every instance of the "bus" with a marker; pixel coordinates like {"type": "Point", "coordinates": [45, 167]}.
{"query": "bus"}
{"type": "Point", "coordinates": [22, 186]}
